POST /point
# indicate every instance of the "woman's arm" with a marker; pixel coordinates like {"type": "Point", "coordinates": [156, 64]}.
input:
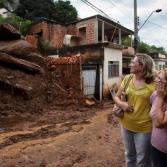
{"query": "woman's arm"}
{"type": "Point", "coordinates": [161, 117]}
{"type": "Point", "coordinates": [117, 99]}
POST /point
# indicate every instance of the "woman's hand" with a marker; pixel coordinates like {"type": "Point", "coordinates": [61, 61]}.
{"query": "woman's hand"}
{"type": "Point", "coordinates": [161, 86]}
{"type": "Point", "coordinates": [126, 107]}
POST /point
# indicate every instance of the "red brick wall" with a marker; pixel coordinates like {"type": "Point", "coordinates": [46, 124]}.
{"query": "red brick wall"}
{"type": "Point", "coordinates": [32, 40]}
{"type": "Point", "coordinates": [72, 30]}
{"type": "Point", "coordinates": [38, 27]}
{"type": "Point", "coordinates": [90, 30]}
{"type": "Point", "coordinates": [57, 36]}
{"type": "Point", "coordinates": [56, 31]}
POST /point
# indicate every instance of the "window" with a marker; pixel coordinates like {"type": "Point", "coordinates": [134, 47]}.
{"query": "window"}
{"type": "Point", "coordinates": [113, 69]}
{"type": "Point", "coordinates": [82, 33]}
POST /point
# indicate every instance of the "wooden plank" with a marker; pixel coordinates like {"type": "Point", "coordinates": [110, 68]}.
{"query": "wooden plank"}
{"type": "Point", "coordinates": [21, 64]}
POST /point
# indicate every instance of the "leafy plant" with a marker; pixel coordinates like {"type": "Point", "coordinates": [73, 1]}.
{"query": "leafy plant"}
{"type": "Point", "coordinates": [42, 46]}
{"type": "Point", "coordinates": [19, 23]}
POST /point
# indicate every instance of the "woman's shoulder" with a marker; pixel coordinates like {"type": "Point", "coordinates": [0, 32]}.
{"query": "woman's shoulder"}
{"type": "Point", "coordinates": [126, 79]}
{"type": "Point", "coordinates": [127, 76]}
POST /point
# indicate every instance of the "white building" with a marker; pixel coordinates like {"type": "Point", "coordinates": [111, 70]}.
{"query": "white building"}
{"type": "Point", "coordinates": [160, 60]}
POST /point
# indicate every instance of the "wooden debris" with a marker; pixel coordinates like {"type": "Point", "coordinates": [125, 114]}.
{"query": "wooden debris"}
{"type": "Point", "coordinates": [24, 65]}
{"type": "Point", "coordinates": [90, 102]}
{"type": "Point", "coordinates": [8, 32]}
{"type": "Point", "coordinates": [74, 59]}
{"type": "Point", "coordinates": [16, 89]}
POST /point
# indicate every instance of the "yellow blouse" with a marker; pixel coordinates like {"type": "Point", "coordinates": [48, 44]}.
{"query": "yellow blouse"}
{"type": "Point", "coordinates": [139, 98]}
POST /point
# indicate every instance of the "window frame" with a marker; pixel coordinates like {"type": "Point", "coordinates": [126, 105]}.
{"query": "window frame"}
{"type": "Point", "coordinates": [113, 69]}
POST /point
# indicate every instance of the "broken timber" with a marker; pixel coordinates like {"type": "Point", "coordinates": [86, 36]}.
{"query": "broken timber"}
{"type": "Point", "coordinates": [12, 62]}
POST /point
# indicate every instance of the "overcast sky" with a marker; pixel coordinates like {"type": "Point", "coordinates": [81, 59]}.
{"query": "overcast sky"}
{"type": "Point", "coordinates": [154, 32]}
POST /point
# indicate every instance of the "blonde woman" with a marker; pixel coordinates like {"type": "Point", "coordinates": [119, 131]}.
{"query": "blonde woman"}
{"type": "Point", "coordinates": [159, 116]}
{"type": "Point", "coordinates": [136, 124]}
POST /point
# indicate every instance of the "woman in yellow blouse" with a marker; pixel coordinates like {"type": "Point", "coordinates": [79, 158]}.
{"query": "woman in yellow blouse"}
{"type": "Point", "coordinates": [136, 123]}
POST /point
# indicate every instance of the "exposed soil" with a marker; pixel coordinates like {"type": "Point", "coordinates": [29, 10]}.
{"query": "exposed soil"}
{"type": "Point", "coordinates": [88, 137]}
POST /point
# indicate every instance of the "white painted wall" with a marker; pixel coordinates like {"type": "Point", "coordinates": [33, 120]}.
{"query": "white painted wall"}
{"type": "Point", "coordinates": [111, 54]}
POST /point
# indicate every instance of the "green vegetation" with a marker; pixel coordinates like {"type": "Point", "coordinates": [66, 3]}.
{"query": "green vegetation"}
{"type": "Point", "coordinates": [61, 11]}
{"type": "Point", "coordinates": [19, 23]}
{"type": "Point", "coordinates": [42, 46]}
{"type": "Point", "coordinates": [126, 41]}
{"type": "Point", "coordinates": [24, 11]}
{"type": "Point", "coordinates": [144, 47]}
{"type": "Point", "coordinates": [64, 12]}
{"type": "Point", "coordinates": [29, 9]}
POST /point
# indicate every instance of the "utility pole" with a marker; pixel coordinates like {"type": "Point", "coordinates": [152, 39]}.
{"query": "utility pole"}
{"type": "Point", "coordinates": [136, 38]}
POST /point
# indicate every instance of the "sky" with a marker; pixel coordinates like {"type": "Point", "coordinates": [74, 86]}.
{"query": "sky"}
{"type": "Point", "coordinates": [154, 31]}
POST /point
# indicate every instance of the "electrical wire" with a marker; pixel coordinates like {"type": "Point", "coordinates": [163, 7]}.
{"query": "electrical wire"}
{"type": "Point", "coordinates": [158, 25]}
{"type": "Point", "coordinates": [91, 6]}
{"type": "Point", "coordinates": [116, 6]}
{"type": "Point", "coordinates": [97, 9]}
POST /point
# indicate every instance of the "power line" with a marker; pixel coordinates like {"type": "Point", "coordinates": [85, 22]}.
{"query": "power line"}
{"type": "Point", "coordinates": [158, 25]}
{"type": "Point", "coordinates": [97, 9]}
{"type": "Point", "coordinates": [122, 3]}
{"type": "Point", "coordinates": [114, 4]}
{"type": "Point", "coordinates": [91, 6]}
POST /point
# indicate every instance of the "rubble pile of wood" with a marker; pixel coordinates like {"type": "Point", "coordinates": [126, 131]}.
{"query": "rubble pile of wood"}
{"type": "Point", "coordinates": [74, 59]}
{"type": "Point", "coordinates": [8, 32]}
{"type": "Point", "coordinates": [26, 84]}
{"type": "Point", "coordinates": [22, 73]}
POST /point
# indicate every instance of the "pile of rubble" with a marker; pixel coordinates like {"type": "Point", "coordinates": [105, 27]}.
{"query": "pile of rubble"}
{"type": "Point", "coordinates": [26, 84]}
{"type": "Point", "coordinates": [22, 73]}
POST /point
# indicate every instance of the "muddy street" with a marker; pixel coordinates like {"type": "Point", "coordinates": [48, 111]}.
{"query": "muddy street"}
{"type": "Point", "coordinates": [89, 138]}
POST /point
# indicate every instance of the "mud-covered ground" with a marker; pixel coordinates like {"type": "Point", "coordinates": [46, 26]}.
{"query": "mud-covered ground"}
{"type": "Point", "coordinates": [86, 137]}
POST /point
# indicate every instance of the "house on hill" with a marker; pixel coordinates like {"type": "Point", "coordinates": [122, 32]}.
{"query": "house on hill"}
{"type": "Point", "coordinates": [97, 39]}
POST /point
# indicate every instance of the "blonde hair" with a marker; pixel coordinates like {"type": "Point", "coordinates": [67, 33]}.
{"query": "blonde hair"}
{"type": "Point", "coordinates": [147, 62]}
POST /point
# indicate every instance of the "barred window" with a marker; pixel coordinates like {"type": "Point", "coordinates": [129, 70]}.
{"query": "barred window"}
{"type": "Point", "coordinates": [113, 69]}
